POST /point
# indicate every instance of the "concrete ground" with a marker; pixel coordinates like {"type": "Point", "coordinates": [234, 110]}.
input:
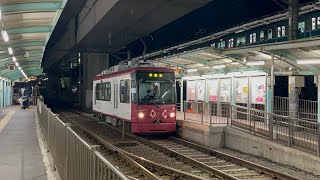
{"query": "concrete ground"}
{"type": "Point", "coordinates": [20, 155]}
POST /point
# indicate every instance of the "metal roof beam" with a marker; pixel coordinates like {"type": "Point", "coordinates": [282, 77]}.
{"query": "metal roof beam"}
{"type": "Point", "coordinates": [32, 6]}
{"type": "Point", "coordinates": [21, 53]}
{"type": "Point", "coordinates": [20, 45]}
{"type": "Point", "coordinates": [28, 30]}
{"type": "Point", "coordinates": [173, 63]}
{"type": "Point", "coordinates": [294, 59]}
{"type": "Point", "coordinates": [301, 43]}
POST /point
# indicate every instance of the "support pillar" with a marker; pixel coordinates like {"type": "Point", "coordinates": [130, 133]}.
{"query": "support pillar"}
{"type": "Point", "coordinates": [270, 99]}
{"type": "Point", "coordinates": [181, 96]}
{"type": "Point", "coordinates": [318, 99]}
{"type": "Point", "coordinates": [293, 98]}
{"type": "Point", "coordinates": [92, 64]}
{"type": "Point", "coordinates": [293, 19]}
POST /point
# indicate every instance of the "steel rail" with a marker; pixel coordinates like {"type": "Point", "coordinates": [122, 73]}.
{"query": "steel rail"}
{"type": "Point", "coordinates": [133, 159]}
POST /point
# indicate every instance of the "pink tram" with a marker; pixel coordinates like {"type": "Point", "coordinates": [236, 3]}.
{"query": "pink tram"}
{"type": "Point", "coordinates": [144, 97]}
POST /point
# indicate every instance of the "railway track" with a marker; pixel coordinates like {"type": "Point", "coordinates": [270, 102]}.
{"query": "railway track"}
{"type": "Point", "coordinates": [109, 139]}
{"type": "Point", "coordinates": [174, 156]}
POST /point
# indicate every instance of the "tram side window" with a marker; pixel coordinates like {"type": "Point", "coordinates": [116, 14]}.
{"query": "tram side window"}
{"type": "Point", "coordinates": [107, 91]}
{"type": "Point", "coordinates": [241, 41]}
{"type": "Point", "coordinates": [124, 91]}
{"type": "Point", "coordinates": [100, 92]}
{"type": "Point", "coordinates": [301, 27]}
{"type": "Point", "coordinates": [133, 91]}
{"type": "Point", "coordinates": [261, 35]}
{"type": "Point", "coordinates": [270, 34]}
{"type": "Point", "coordinates": [313, 22]}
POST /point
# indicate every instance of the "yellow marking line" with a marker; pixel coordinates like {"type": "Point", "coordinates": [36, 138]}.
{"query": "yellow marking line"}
{"type": "Point", "coordinates": [5, 120]}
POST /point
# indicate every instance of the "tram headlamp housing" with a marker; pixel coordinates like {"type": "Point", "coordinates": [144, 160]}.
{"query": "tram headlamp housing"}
{"type": "Point", "coordinates": [172, 115]}
{"type": "Point", "coordinates": [140, 115]}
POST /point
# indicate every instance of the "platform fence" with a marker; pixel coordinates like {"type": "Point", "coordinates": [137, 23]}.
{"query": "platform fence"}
{"type": "Point", "coordinates": [73, 157]}
{"type": "Point", "coordinates": [303, 133]}
{"type": "Point", "coordinates": [306, 110]}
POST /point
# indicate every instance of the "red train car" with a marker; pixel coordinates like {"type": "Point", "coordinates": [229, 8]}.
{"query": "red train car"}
{"type": "Point", "coordinates": [144, 97]}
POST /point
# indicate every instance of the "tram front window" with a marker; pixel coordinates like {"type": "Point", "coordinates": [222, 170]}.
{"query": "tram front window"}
{"type": "Point", "coordinates": [156, 92]}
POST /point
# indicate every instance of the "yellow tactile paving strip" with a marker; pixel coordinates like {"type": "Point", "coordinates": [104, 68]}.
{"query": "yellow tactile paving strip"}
{"type": "Point", "coordinates": [5, 120]}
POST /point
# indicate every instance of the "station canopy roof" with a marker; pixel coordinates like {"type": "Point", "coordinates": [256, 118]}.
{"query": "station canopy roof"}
{"type": "Point", "coordinates": [298, 57]}
{"type": "Point", "coordinates": [28, 25]}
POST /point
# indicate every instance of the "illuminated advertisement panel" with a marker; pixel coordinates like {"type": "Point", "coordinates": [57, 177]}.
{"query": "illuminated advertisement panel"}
{"type": "Point", "coordinates": [258, 90]}
{"type": "Point", "coordinates": [213, 89]}
{"type": "Point", "coordinates": [225, 86]}
{"type": "Point", "coordinates": [191, 90]}
{"type": "Point", "coordinates": [242, 89]}
{"type": "Point", "coordinates": [201, 90]}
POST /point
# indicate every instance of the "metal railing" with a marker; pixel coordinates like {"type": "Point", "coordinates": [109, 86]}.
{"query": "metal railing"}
{"type": "Point", "coordinates": [294, 132]}
{"type": "Point", "coordinates": [209, 113]}
{"type": "Point", "coordinates": [73, 157]}
{"type": "Point", "coordinates": [307, 109]}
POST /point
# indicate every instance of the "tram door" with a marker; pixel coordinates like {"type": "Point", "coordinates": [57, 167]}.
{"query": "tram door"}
{"type": "Point", "coordinates": [115, 99]}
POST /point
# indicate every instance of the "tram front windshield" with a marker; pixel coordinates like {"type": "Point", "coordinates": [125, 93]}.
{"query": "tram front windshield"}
{"type": "Point", "coordinates": [156, 91]}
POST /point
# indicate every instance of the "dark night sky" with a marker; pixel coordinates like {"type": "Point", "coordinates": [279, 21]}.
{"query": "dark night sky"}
{"type": "Point", "coordinates": [214, 17]}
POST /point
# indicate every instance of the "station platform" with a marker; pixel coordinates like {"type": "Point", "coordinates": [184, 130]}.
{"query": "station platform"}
{"type": "Point", "coordinates": [237, 134]}
{"type": "Point", "coordinates": [20, 154]}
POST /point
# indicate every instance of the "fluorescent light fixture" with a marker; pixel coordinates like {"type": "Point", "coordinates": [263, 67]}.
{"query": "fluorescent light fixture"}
{"type": "Point", "coordinates": [255, 63]}
{"type": "Point", "coordinates": [192, 70]}
{"type": "Point", "coordinates": [0, 15]}
{"type": "Point", "coordinates": [10, 50]}
{"type": "Point", "coordinates": [256, 72]}
{"type": "Point", "coordinates": [219, 66]}
{"type": "Point", "coordinates": [5, 36]}
{"type": "Point", "coordinates": [19, 68]}
{"type": "Point", "coordinates": [208, 54]}
{"type": "Point", "coordinates": [309, 61]}
{"type": "Point", "coordinates": [14, 59]}
{"type": "Point", "coordinates": [16, 63]}
{"type": "Point", "coordinates": [234, 63]}
{"type": "Point", "coordinates": [234, 74]}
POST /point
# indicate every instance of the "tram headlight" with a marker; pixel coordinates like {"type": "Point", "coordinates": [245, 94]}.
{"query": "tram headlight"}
{"type": "Point", "coordinates": [141, 115]}
{"type": "Point", "coordinates": [172, 114]}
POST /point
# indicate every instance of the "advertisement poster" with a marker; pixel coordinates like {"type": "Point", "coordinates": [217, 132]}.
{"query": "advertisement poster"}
{"type": "Point", "coordinates": [201, 90]}
{"type": "Point", "coordinates": [258, 90]}
{"type": "Point", "coordinates": [242, 90]}
{"type": "Point", "coordinates": [191, 90]}
{"type": "Point", "coordinates": [225, 86]}
{"type": "Point", "coordinates": [213, 89]}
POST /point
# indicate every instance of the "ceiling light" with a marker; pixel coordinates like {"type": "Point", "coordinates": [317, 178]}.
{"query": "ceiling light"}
{"type": "Point", "coordinates": [309, 61]}
{"type": "Point", "coordinates": [0, 15]}
{"type": "Point", "coordinates": [235, 63]}
{"type": "Point", "coordinates": [255, 63]}
{"type": "Point", "coordinates": [17, 64]}
{"type": "Point", "coordinates": [14, 59]}
{"type": "Point", "coordinates": [19, 68]}
{"type": "Point", "coordinates": [208, 54]}
{"type": "Point", "coordinates": [219, 66]}
{"type": "Point", "coordinates": [5, 36]}
{"type": "Point", "coordinates": [192, 70]}
{"type": "Point", "coordinates": [10, 50]}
